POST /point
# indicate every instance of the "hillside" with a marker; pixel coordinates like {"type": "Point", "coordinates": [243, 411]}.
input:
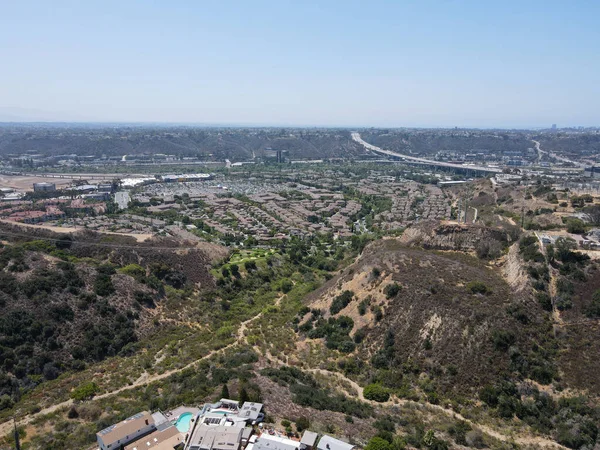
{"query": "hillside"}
{"type": "Point", "coordinates": [421, 347]}
{"type": "Point", "coordinates": [443, 327]}
{"type": "Point", "coordinates": [66, 303]}
{"type": "Point", "coordinates": [444, 314]}
{"type": "Point", "coordinates": [207, 143]}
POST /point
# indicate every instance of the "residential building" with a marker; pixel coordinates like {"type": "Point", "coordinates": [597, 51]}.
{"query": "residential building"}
{"type": "Point", "coordinates": [270, 442]}
{"type": "Point", "coordinates": [251, 412]}
{"type": "Point", "coordinates": [125, 432]}
{"type": "Point", "coordinates": [309, 440]}
{"type": "Point", "coordinates": [161, 439]}
{"type": "Point", "coordinates": [330, 443]}
{"type": "Point", "coordinates": [215, 437]}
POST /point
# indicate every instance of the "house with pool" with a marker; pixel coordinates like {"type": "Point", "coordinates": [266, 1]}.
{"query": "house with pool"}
{"type": "Point", "coordinates": [222, 425]}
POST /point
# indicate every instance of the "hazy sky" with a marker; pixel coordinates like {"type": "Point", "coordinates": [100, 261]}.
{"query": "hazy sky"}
{"type": "Point", "coordinates": [477, 63]}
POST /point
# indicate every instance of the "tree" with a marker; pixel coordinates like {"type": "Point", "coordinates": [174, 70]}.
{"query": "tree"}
{"type": "Point", "coordinates": [225, 391]}
{"type": "Point", "coordinates": [593, 214]}
{"type": "Point", "coordinates": [563, 248]}
{"type": "Point", "coordinates": [243, 396]}
{"type": "Point", "coordinates": [576, 226]}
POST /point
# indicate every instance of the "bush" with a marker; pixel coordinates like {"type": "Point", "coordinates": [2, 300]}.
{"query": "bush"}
{"type": "Point", "coordinates": [575, 226]}
{"type": "Point", "coordinates": [477, 287]}
{"type": "Point", "coordinates": [488, 249]}
{"type": "Point", "coordinates": [593, 310]}
{"type": "Point", "coordinates": [360, 335]}
{"type": "Point", "coordinates": [376, 392]}
{"type": "Point", "coordinates": [302, 423]}
{"type": "Point", "coordinates": [503, 339]}
{"type": "Point", "coordinates": [391, 290]}
{"type": "Point", "coordinates": [377, 443]}
{"type": "Point", "coordinates": [286, 286]}
{"type": "Point", "coordinates": [362, 307]}
{"type": "Point", "coordinates": [73, 414]}
{"type": "Point", "coordinates": [341, 301]}
{"type": "Point", "coordinates": [459, 432]}
{"type": "Point", "coordinates": [84, 391]}
{"type": "Point", "coordinates": [134, 270]}
{"type": "Point", "coordinates": [544, 300]}
{"type": "Point", "coordinates": [103, 285]}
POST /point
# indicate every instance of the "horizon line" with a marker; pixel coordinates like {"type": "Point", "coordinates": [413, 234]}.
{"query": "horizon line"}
{"type": "Point", "coordinates": [266, 125]}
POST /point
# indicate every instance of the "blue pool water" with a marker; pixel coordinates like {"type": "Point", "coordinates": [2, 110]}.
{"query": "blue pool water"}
{"type": "Point", "coordinates": [183, 422]}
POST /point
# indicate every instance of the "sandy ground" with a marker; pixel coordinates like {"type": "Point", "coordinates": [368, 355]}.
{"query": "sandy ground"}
{"type": "Point", "coordinates": [138, 237]}
{"type": "Point", "coordinates": [25, 183]}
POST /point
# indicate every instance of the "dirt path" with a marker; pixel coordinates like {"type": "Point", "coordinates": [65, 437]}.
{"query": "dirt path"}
{"type": "Point", "coordinates": [521, 440]}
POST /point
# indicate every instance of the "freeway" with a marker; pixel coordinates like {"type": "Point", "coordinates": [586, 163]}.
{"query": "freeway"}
{"type": "Point", "coordinates": [357, 138]}
{"type": "Point", "coordinates": [554, 155]}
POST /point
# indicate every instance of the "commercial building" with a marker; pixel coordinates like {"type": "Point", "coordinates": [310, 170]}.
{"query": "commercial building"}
{"type": "Point", "coordinates": [44, 187]}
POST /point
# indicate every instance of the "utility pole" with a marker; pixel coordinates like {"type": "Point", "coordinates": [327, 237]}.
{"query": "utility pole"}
{"type": "Point", "coordinates": [523, 216]}
{"type": "Point", "coordinates": [459, 210]}
{"type": "Point", "coordinates": [466, 209]}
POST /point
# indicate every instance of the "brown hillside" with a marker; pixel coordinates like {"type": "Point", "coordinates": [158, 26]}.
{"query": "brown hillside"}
{"type": "Point", "coordinates": [439, 324]}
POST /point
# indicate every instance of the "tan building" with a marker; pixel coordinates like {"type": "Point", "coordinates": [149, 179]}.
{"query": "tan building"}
{"type": "Point", "coordinates": [125, 432]}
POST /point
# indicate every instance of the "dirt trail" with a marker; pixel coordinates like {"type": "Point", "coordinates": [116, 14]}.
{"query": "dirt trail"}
{"type": "Point", "coordinates": [521, 440]}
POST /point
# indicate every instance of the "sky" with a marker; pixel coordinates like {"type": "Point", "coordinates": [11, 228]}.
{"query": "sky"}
{"type": "Point", "coordinates": [416, 63]}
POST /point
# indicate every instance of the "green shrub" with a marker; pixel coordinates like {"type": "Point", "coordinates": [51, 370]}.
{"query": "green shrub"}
{"type": "Point", "coordinates": [593, 310]}
{"type": "Point", "coordinates": [302, 423]}
{"type": "Point", "coordinates": [544, 300]}
{"type": "Point", "coordinates": [575, 226]}
{"type": "Point", "coordinates": [377, 443]}
{"type": "Point", "coordinates": [341, 301]}
{"type": "Point", "coordinates": [391, 290]}
{"type": "Point", "coordinates": [134, 270]}
{"type": "Point", "coordinates": [84, 391]}
{"type": "Point", "coordinates": [503, 339]}
{"type": "Point", "coordinates": [376, 392]}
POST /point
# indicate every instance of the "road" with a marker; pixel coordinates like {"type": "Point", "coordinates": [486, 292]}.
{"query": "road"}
{"type": "Point", "coordinates": [356, 137]}
{"type": "Point", "coordinates": [122, 199]}
{"type": "Point", "coordinates": [554, 155]}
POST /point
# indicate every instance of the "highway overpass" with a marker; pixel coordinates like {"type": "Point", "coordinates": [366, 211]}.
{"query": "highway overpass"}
{"type": "Point", "coordinates": [482, 169]}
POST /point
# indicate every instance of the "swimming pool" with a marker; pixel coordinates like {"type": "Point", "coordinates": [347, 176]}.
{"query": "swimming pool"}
{"type": "Point", "coordinates": [183, 422]}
